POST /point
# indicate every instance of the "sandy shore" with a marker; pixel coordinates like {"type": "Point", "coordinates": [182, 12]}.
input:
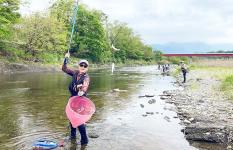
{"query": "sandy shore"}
{"type": "Point", "coordinates": [206, 113]}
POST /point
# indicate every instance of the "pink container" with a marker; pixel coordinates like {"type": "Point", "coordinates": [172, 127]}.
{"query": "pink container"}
{"type": "Point", "coordinates": [79, 110]}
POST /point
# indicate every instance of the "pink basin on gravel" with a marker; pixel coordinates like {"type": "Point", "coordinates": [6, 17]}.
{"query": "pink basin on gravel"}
{"type": "Point", "coordinates": [79, 110]}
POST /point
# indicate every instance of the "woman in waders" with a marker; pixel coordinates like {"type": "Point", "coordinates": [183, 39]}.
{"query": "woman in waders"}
{"type": "Point", "coordinates": [78, 87]}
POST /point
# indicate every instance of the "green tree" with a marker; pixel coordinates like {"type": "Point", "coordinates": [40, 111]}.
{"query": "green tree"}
{"type": "Point", "coordinates": [158, 56]}
{"type": "Point", "coordinates": [174, 60]}
{"type": "Point", "coordinates": [129, 43]}
{"type": "Point", "coordinates": [89, 39]}
{"type": "Point", "coordinates": [63, 10]}
{"type": "Point", "coordinates": [8, 16]}
{"type": "Point", "coordinates": [148, 53]}
{"type": "Point", "coordinates": [43, 33]}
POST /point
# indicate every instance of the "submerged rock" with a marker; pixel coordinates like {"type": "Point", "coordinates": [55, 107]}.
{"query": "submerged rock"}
{"type": "Point", "coordinates": [150, 113]}
{"type": "Point", "coordinates": [167, 118]}
{"type": "Point", "coordinates": [148, 95]}
{"type": "Point", "coordinates": [140, 96]}
{"type": "Point", "coordinates": [118, 90]}
{"type": "Point", "coordinates": [152, 101]}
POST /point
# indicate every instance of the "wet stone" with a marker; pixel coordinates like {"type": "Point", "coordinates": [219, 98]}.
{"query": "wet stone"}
{"type": "Point", "coordinates": [187, 122]}
{"type": "Point", "coordinates": [191, 119]}
{"type": "Point", "coordinates": [182, 130]}
{"type": "Point", "coordinates": [93, 135]}
{"type": "Point", "coordinates": [198, 79]}
{"type": "Point", "coordinates": [163, 97]}
{"type": "Point", "coordinates": [229, 147]}
{"type": "Point", "coordinates": [201, 101]}
{"type": "Point", "coordinates": [207, 134]}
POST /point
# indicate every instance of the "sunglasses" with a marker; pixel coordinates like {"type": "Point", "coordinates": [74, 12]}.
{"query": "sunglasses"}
{"type": "Point", "coordinates": [83, 65]}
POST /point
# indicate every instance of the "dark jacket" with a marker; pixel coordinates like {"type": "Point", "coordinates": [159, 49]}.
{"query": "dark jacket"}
{"type": "Point", "coordinates": [77, 79]}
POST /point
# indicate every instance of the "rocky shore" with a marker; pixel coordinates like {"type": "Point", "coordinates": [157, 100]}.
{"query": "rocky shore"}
{"type": "Point", "coordinates": [7, 68]}
{"type": "Point", "coordinates": [206, 113]}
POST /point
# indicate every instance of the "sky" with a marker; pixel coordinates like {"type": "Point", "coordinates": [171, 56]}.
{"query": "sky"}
{"type": "Point", "coordinates": [166, 21]}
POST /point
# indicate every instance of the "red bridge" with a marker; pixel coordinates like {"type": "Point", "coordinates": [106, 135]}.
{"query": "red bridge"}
{"type": "Point", "coordinates": [200, 55]}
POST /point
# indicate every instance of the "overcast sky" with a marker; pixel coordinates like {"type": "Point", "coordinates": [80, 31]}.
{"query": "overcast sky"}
{"type": "Point", "coordinates": [163, 21]}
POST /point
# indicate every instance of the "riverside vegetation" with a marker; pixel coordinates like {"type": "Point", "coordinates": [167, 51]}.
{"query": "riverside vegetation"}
{"type": "Point", "coordinates": [43, 37]}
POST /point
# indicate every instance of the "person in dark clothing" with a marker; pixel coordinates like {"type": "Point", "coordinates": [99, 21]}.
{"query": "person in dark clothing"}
{"type": "Point", "coordinates": [78, 87]}
{"type": "Point", "coordinates": [184, 70]}
{"type": "Point", "coordinates": [164, 68]}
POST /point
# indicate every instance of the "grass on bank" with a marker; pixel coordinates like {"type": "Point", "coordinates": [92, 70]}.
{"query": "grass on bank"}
{"type": "Point", "coordinates": [227, 86]}
{"type": "Point", "coordinates": [219, 69]}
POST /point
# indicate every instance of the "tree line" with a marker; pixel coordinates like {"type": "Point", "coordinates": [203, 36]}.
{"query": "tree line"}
{"type": "Point", "coordinates": [44, 36]}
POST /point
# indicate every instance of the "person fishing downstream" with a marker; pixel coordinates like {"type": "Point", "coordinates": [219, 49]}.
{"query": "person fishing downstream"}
{"type": "Point", "coordinates": [78, 87]}
{"type": "Point", "coordinates": [184, 70]}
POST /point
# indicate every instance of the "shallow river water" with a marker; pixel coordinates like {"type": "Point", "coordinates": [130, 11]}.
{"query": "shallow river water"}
{"type": "Point", "coordinates": [32, 107]}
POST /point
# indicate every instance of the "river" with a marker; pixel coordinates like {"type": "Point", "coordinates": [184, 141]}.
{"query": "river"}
{"type": "Point", "coordinates": [32, 107]}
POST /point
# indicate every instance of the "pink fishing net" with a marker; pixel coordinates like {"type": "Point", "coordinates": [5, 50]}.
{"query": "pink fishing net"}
{"type": "Point", "coordinates": [79, 110]}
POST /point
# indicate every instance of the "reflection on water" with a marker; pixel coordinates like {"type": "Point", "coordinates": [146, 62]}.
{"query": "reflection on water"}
{"type": "Point", "coordinates": [32, 107]}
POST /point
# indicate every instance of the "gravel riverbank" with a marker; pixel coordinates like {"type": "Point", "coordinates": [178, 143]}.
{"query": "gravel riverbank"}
{"type": "Point", "coordinates": [206, 113]}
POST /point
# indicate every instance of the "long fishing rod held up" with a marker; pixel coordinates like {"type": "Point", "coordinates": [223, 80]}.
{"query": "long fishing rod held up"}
{"type": "Point", "coordinates": [73, 24]}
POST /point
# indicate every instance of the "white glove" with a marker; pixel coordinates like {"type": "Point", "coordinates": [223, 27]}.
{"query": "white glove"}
{"type": "Point", "coordinates": [80, 93]}
{"type": "Point", "coordinates": [79, 85]}
{"type": "Point", "coordinates": [67, 55]}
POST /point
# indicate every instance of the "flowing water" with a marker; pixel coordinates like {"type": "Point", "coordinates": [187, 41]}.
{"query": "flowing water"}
{"type": "Point", "coordinates": [32, 107]}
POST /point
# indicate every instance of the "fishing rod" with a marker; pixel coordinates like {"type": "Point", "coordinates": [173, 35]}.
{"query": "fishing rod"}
{"type": "Point", "coordinates": [73, 24]}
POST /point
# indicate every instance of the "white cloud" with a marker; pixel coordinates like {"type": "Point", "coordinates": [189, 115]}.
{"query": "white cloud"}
{"type": "Point", "coordinates": [30, 6]}
{"type": "Point", "coordinates": [162, 21]}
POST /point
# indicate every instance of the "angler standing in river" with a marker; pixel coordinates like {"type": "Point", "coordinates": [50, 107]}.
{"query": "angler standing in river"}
{"type": "Point", "coordinates": [78, 86]}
